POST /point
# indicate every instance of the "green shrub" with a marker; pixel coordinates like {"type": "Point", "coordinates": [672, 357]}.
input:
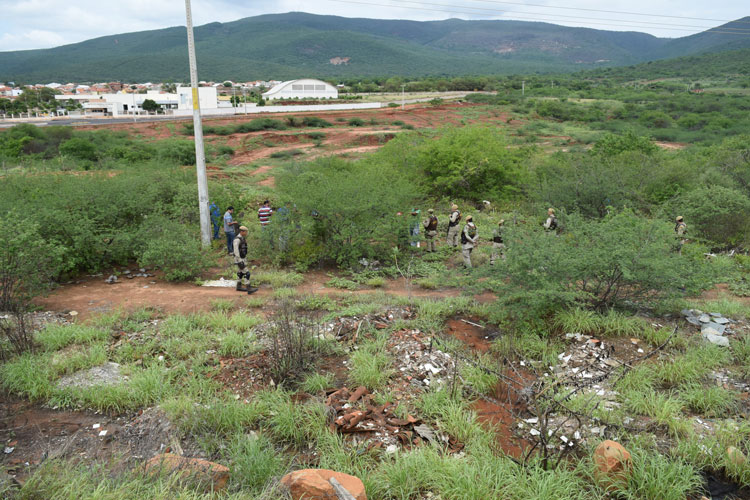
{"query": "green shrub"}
{"type": "Point", "coordinates": [621, 260]}
{"type": "Point", "coordinates": [356, 122]}
{"type": "Point", "coordinates": [79, 148]}
{"type": "Point", "coordinates": [349, 210]}
{"type": "Point", "coordinates": [28, 260]}
{"type": "Point", "coordinates": [472, 163]}
{"type": "Point", "coordinates": [175, 249]}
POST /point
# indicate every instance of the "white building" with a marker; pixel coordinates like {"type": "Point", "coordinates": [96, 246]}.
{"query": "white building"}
{"type": "Point", "coordinates": [127, 104]}
{"type": "Point", "coordinates": [300, 89]}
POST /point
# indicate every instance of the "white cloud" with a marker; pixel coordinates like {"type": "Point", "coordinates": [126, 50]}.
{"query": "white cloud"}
{"type": "Point", "coordinates": [47, 23]}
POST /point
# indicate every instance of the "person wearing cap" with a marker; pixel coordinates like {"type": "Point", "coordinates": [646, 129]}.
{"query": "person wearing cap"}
{"type": "Point", "coordinates": [680, 228]}
{"type": "Point", "coordinates": [430, 230]}
{"type": "Point", "coordinates": [264, 217]}
{"type": "Point", "coordinates": [414, 228]}
{"type": "Point", "coordinates": [469, 238]}
{"type": "Point", "coordinates": [240, 258]}
{"type": "Point", "coordinates": [453, 227]}
{"type": "Point", "coordinates": [498, 247]}
{"type": "Point", "coordinates": [551, 223]}
{"type": "Point", "coordinates": [229, 229]}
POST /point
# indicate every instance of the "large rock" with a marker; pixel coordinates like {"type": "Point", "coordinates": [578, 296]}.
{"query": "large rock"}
{"type": "Point", "coordinates": [612, 461]}
{"type": "Point", "coordinates": [713, 328]}
{"type": "Point", "coordinates": [312, 484]}
{"type": "Point", "coordinates": [201, 471]}
{"type": "Point", "coordinates": [105, 375]}
{"type": "Point", "coordinates": [716, 339]}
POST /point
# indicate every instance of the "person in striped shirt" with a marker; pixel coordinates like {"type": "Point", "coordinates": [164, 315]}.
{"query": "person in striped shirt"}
{"type": "Point", "coordinates": [264, 214]}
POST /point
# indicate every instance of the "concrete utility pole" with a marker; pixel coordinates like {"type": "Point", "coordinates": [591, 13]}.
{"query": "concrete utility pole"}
{"type": "Point", "coordinates": [523, 87]}
{"type": "Point", "coordinates": [200, 156]}
{"type": "Point", "coordinates": [403, 86]}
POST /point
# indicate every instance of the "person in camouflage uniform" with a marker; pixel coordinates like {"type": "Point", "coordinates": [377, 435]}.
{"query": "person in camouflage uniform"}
{"type": "Point", "coordinates": [498, 247]}
{"type": "Point", "coordinates": [240, 259]}
{"type": "Point", "coordinates": [430, 230]}
{"type": "Point", "coordinates": [454, 230]}
{"type": "Point", "coordinates": [469, 239]}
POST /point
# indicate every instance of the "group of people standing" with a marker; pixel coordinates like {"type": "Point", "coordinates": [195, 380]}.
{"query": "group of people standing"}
{"type": "Point", "coordinates": [237, 240]}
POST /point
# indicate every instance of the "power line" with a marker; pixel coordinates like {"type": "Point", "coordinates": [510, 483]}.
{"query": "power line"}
{"type": "Point", "coordinates": [617, 12]}
{"type": "Point", "coordinates": [527, 18]}
{"type": "Point", "coordinates": [514, 12]}
{"type": "Point", "coordinates": [617, 20]}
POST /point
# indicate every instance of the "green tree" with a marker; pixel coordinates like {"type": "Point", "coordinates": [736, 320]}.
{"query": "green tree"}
{"type": "Point", "coordinates": [150, 105]}
{"type": "Point", "coordinates": [28, 261]}
{"type": "Point", "coordinates": [621, 260]}
{"type": "Point", "coordinates": [80, 148]}
{"type": "Point", "coordinates": [472, 163]}
{"type": "Point", "coordinates": [347, 211]}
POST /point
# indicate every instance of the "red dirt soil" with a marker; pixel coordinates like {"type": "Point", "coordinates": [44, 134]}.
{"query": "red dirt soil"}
{"type": "Point", "coordinates": [91, 295]}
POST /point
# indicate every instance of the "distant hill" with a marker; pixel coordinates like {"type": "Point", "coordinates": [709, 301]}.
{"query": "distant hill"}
{"type": "Point", "coordinates": [721, 64]}
{"type": "Point", "coordinates": [293, 45]}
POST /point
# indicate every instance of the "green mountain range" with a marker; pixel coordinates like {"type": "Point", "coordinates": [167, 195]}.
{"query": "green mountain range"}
{"type": "Point", "coordinates": [293, 45]}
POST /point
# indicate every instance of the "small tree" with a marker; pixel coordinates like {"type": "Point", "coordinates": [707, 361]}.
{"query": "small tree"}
{"type": "Point", "coordinates": [151, 105]}
{"type": "Point", "coordinates": [621, 260]}
{"type": "Point", "coordinates": [28, 262]}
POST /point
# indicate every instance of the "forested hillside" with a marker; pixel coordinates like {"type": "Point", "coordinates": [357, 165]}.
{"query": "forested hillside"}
{"type": "Point", "coordinates": [297, 44]}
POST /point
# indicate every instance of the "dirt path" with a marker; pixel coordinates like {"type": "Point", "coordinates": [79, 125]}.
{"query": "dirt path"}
{"type": "Point", "coordinates": [91, 295]}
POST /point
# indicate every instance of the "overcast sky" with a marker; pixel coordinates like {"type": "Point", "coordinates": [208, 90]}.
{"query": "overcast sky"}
{"type": "Point", "coordinates": [32, 24]}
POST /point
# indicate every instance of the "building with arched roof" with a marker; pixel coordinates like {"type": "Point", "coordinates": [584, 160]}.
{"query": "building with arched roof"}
{"type": "Point", "coordinates": [300, 89]}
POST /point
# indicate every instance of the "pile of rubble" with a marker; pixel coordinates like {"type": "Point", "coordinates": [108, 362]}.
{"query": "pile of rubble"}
{"type": "Point", "coordinates": [586, 365]}
{"type": "Point", "coordinates": [128, 274]}
{"type": "Point", "coordinates": [418, 362]}
{"type": "Point", "coordinates": [348, 327]}
{"type": "Point", "coordinates": [713, 325]}
{"type": "Point", "coordinates": [356, 414]}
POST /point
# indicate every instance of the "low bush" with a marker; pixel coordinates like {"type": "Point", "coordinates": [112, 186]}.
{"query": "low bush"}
{"type": "Point", "coordinates": [622, 260]}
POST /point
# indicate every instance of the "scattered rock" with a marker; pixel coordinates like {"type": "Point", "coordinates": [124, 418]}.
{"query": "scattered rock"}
{"type": "Point", "coordinates": [716, 339]}
{"type": "Point", "coordinates": [722, 321]}
{"type": "Point", "coordinates": [704, 318]}
{"type": "Point", "coordinates": [713, 328]}
{"type": "Point", "coordinates": [205, 472]}
{"type": "Point", "coordinates": [106, 374]}
{"type": "Point", "coordinates": [313, 484]}
{"type": "Point", "coordinates": [612, 461]}
{"type": "Point", "coordinates": [111, 280]}
{"type": "Point", "coordinates": [693, 320]}
{"type": "Point", "coordinates": [73, 313]}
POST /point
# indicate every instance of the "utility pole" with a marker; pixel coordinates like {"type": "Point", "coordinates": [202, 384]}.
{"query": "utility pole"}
{"type": "Point", "coordinates": [244, 98]}
{"type": "Point", "coordinates": [523, 87]}
{"type": "Point", "coordinates": [403, 86]}
{"type": "Point", "coordinates": [200, 156]}
{"type": "Point", "coordinates": [234, 101]}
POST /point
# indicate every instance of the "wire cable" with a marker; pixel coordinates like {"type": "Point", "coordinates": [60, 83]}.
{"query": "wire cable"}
{"type": "Point", "coordinates": [510, 13]}
{"type": "Point", "coordinates": [514, 12]}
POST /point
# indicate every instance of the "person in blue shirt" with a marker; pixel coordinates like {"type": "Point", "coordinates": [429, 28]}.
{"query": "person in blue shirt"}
{"type": "Point", "coordinates": [229, 229]}
{"type": "Point", "coordinates": [215, 218]}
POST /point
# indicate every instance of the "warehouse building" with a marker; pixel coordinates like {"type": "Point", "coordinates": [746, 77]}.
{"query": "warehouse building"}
{"type": "Point", "coordinates": [301, 89]}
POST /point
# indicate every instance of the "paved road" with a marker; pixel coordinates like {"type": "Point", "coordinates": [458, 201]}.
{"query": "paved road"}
{"type": "Point", "coordinates": [82, 121]}
{"type": "Point", "coordinates": [94, 121]}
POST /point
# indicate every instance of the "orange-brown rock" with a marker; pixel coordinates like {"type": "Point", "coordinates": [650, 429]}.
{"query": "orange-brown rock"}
{"type": "Point", "coordinates": [612, 461]}
{"type": "Point", "coordinates": [202, 471]}
{"type": "Point", "coordinates": [736, 457]}
{"type": "Point", "coordinates": [312, 484]}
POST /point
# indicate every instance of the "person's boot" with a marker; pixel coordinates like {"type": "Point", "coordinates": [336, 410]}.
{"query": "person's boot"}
{"type": "Point", "coordinates": [240, 288]}
{"type": "Point", "coordinates": [251, 289]}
